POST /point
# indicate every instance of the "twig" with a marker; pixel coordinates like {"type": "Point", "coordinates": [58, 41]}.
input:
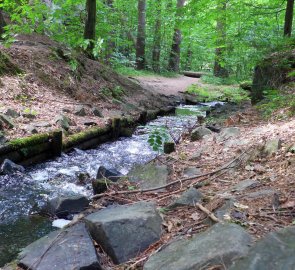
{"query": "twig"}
{"type": "Point", "coordinates": [207, 212]}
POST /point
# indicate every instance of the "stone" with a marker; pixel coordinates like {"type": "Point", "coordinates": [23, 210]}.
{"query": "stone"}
{"type": "Point", "coordinates": [100, 185]}
{"type": "Point", "coordinates": [197, 155]}
{"type": "Point", "coordinates": [3, 139]}
{"type": "Point", "coordinates": [7, 121]}
{"type": "Point", "coordinates": [260, 194]}
{"type": "Point", "coordinates": [29, 115]}
{"type": "Point", "coordinates": [219, 245]}
{"type": "Point", "coordinates": [42, 124]}
{"type": "Point", "coordinates": [9, 167]}
{"type": "Point", "coordinates": [199, 133]}
{"type": "Point", "coordinates": [67, 249]}
{"type": "Point", "coordinates": [292, 149]}
{"type": "Point", "coordinates": [97, 112]}
{"type": "Point", "coordinates": [245, 184]}
{"type": "Point", "coordinates": [230, 132]}
{"type": "Point", "coordinates": [169, 147]}
{"type": "Point", "coordinates": [191, 171]}
{"type": "Point", "coordinates": [31, 129]}
{"type": "Point", "coordinates": [271, 147]}
{"type": "Point", "coordinates": [126, 230]}
{"type": "Point", "coordinates": [225, 209]}
{"type": "Point", "coordinates": [66, 205]}
{"type": "Point", "coordinates": [189, 198]}
{"type": "Point", "coordinates": [111, 174]}
{"type": "Point", "coordinates": [89, 122]}
{"type": "Point", "coordinates": [63, 122]}
{"type": "Point", "coordinates": [80, 111]}
{"type": "Point", "coordinates": [149, 175]}
{"type": "Point", "coordinates": [12, 113]}
{"type": "Point", "coordinates": [276, 251]}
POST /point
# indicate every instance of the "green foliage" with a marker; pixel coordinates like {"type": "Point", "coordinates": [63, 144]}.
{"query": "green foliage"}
{"type": "Point", "coordinates": [276, 100]}
{"type": "Point", "coordinates": [229, 94]}
{"type": "Point", "coordinates": [157, 137]}
{"type": "Point", "coordinates": [218, 81]}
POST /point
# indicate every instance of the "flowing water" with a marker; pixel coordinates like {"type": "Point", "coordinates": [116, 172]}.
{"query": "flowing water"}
{"type": "Point", "coordinates": [22, 194]}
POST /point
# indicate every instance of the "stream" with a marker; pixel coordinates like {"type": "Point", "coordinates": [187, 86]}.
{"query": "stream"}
{"type": "Point", "coordinates": [24, 194]}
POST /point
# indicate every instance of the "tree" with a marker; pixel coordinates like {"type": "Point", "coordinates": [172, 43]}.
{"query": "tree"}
{"type": "Point", "coordinates": [140, 43]}
{"type": "Point", "coordinates": [289, 18]}
{"type": "Point", "coordinates": [174, 58]}
{"type": "Point", "coordinates": [89, 30]}
{"type": "Point", "coordinates": [219, 64]}
{"type": "Point", "coordinates": [156, 54]}
{"type": "Point", "coordinates": [2, 24]}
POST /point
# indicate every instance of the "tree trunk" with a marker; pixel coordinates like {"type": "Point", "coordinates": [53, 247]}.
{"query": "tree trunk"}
{"type": "Point", "coordinates": [89, 31]}
{"type": "Point", "coordinates": [289, 18]}
{"type": "Point", "coordinates": [157, 39]}
{"type": "Point", "coordinates": [174, 58]}
{"type": "Point", "coordinates": [140, 43]}
{"type": "Point", "coordinates": [2, 24]}
{"type": "Point", "coordinates": [219, 69]}
{"type": "Point", "coordinates": [110, 42]}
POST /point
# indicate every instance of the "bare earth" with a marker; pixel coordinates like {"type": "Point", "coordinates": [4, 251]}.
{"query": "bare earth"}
{"type": "Point", "coordinates": [166, 86]}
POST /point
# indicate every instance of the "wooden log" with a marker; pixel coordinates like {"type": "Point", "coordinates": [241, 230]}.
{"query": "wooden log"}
{"type": "Point", "coordinates": [194, 74]}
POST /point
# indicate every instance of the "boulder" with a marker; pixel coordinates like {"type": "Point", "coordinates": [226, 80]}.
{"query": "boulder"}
{"type": "Point", "coordinates": [275, 252]}
{"type": "Point", "coordinates": [63, 122]}
{"type": "Point", "coordinates": [230, 132]}
{"type": "Point", "coordinates": [126, 230]}
{"type": "Point", "coordinates": [272, 146]}
{"type": "Point", "coordinates": [111, 174]}
{"type": "Point", "coordinates": [80, 111]}
{"type": "Point", "coordinates": [100, 185]}
{"type": "Point", "coordinates": [67, 249]}
{"type": "Point", "coordinates": [149, 175]}
{"type": "Point", "coordinates": [64, 206]}
{"type": "Point", "coordinates": [246, 184]}
{"type": "Point", "coordinates": [199, 133]}
{"type": "Point", "coordinates": [97, 112]}
{"type": "Point", "coordinates": [12, 113]}
{"type": "Point", "coordinates": [9, 167]}
{"type": "Point", "coordinates": [189, 197]}
{"type": "Point", "coordinates": [6, 121]}
{"type": "Point", "coordinates": [219, 245]}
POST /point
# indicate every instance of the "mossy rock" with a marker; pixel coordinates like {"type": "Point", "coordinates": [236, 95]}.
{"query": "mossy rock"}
{"type": "Point", "coordinates": [7, 67]}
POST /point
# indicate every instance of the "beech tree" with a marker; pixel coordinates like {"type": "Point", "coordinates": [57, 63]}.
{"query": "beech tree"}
{"type": "Point", "coordinates": [89, 30]}
{"type": "Point", "coordinates": [140, 43]}
{"type": "Point", "coordinates": [289, 18]}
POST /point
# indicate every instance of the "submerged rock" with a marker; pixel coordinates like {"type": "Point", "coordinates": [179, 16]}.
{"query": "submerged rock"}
{"type": "Point", "coordinates": [68, 249]}
{"type": "Point", "coordinates": [149, 175]}
{"type": "Point", "coordinates": [199, 133]}
{"type": "Point", "coordinates": [275, 252]}
{"type": "Point", "coordinates": [111, 174]}
{"type": "Point", "coordinates": [9, 167]}
{"type": "Point", "coordinates": [126, 230]}
{"type": "Point", "coordinates": [219, 245]}
{"type": "Point", "coordinates": [64, 206]}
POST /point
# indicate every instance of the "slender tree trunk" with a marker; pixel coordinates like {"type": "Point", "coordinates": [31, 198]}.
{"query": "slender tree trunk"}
{"type": "Point", "coordinates": [140, 43]}
{"type": "Point", "coordinates": [157, 39]}
{"type": "Point", "coordinates": [219, 68]}
{"type": "Point", "coordinates": [2, 24]}
{"type": "Point", "coordinates": [174, 58]}
{"type": "Point", "coordinates": [110, 42]}
{"type": "Point", "coordinates": [189, 56]}
{"type": "Point", "coordinates": [89, 31]}
{"type": "Point", "coordinates": [289, 18]}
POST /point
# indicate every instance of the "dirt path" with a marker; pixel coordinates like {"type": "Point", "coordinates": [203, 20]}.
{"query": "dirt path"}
{"type": "Point", "coordinates": [166, 86]}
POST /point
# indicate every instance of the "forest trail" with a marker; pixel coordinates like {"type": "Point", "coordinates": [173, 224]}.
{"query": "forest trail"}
{"type": "Point", "coordinates": [166, 86]}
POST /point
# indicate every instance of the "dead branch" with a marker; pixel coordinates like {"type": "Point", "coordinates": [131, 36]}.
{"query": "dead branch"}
{"type": "Point", "coordinates": [207, 212]}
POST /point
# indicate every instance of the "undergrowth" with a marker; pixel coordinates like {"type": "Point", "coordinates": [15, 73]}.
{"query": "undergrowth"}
{"type": "Point", "coordinates": [229, 94]}
{"type": "Point", "coordinates": [210, 79]}
{"type": "Point", "coordinates": [130, 71]}
{"type": "Point", "coordinates": [276, 100]}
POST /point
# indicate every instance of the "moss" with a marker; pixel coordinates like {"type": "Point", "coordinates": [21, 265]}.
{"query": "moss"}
{"type": "Point", "coordinates": [29, 141]}
{"type": "Point", "coordinates": [84, 135]}
{"type": "Point", "coordinates": [6, 66]}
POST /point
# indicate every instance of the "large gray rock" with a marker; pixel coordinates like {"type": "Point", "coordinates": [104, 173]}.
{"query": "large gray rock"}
{"type": "Point", "coordinates": [111, 174]}
{"type": "Point", "coordinates": [9, 167]}
{"type": "Point", "coordinates": [6, 120]}
{"type": "Point", "coordinates": [199, 133]}
{"type": "Point", "coordinates": [68, 249]}
{"type": "Point", "coordinates": [189, 197]}
{"type": "Point", "coordinates": [125, 231]}
{"type": "Point", "coordinates": [275, 252]}
{"type": "Point", "coordinates": [149, 175]}
{"type": "Point", "coordinates": [220, 245]}
{"type": "Point", "coordinates": [64, 206]}
{"type": "Point", "coordinates": [228, 133]}
{"type": "Point", "coordinates": [63, 122]}
{"type": "Point", "coordinates": [272, 146]}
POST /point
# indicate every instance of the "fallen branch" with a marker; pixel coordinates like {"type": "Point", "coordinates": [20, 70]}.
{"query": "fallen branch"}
{"type": "Point", "coordinates": [207, 212]}
{"type": "Point", "coordinates": [224, 167]}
